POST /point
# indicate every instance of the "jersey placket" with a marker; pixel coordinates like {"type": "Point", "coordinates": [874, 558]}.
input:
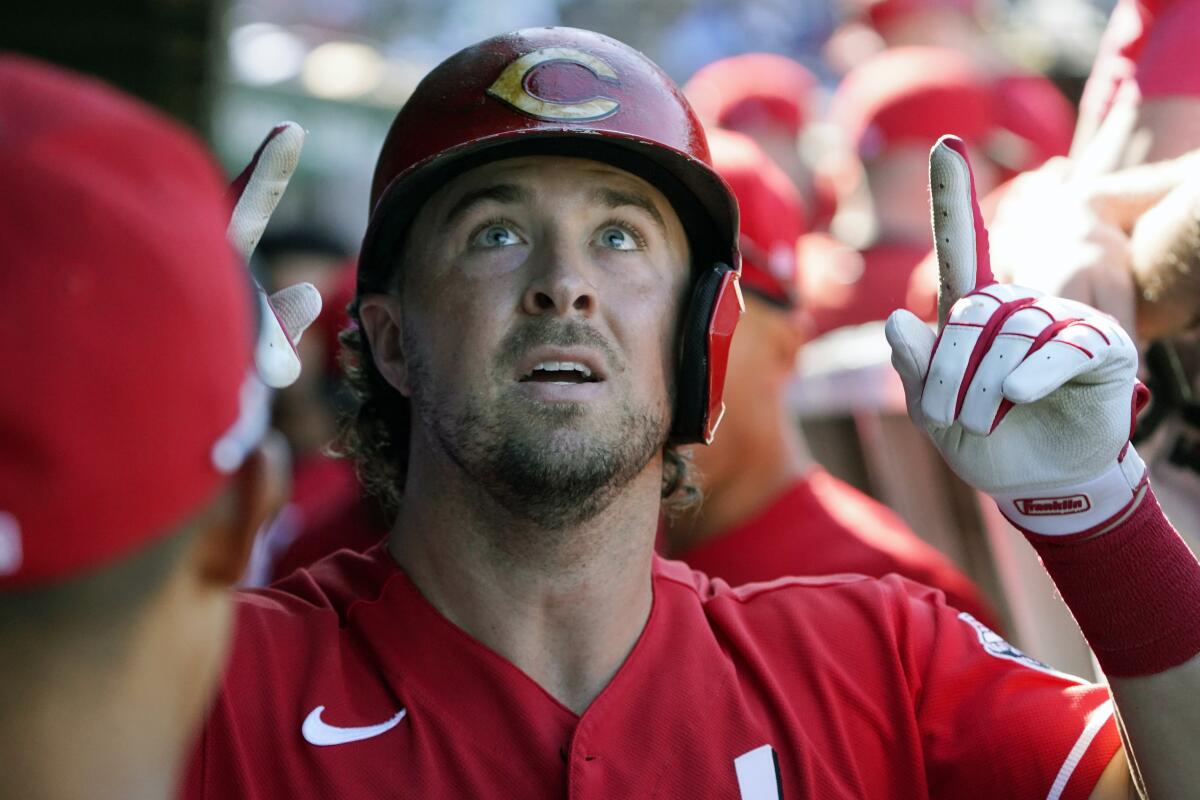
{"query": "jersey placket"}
{"type": "Point", "coordinates": [672, 721]}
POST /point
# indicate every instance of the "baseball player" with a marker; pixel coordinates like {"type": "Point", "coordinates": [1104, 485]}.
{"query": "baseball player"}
{"type": "Point", "coordinates": [547, 289]}
{"type": "Point", "coordinates": [132, 472]}
{"type": "Point", "coordinates": [890, 109]}
{"type": "Point", "coordinates": [769, 509]}
{"type": "Point", "coordinates": [769, 98]}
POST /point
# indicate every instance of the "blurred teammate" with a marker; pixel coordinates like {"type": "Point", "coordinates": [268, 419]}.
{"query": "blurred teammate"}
{"type": "Point", "coordinates": [131, 476]}
{"type": "Point", "coordinates": [891, 109]}
{"type": "Point", "coordinates": [769, 98]}
{"type": "Point", "coordinates": [769, 509]}
{"type": "Point", "coordinates": [547, 289]}
{"type": "Point", "coordinates": [1036, 117]}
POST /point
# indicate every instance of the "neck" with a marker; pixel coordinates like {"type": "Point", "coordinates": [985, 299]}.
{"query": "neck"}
{"type": "Point", "coordinates": [565, 606]}
{"type": "Point", "coordinates": [67, 732]}
{"type": "Point", "coordinates": [769, 465]}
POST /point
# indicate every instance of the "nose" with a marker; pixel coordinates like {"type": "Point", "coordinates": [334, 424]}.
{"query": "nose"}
{"type": "Point", "coordinates": [560, 285]}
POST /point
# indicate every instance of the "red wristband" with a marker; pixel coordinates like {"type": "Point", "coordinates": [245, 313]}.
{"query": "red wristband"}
{"type": "Point", "coordinates": [1134, 591]}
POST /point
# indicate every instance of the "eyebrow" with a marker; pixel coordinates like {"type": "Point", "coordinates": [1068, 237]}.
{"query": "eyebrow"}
{"type": "Point", "coordinates": [615, 198]}
{"type": "Point", "coordinates": [500, 192]}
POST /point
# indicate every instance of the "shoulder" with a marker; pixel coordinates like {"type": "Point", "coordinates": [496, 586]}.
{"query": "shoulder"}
{"type": "Point", "coordinates": [855, 611]}
{"type": "Point", "coordinates": [310, 601]}
{"type": "Point", "coordinates": [809, 643]}
{"type": "Point", "coordinates": [301, 631]}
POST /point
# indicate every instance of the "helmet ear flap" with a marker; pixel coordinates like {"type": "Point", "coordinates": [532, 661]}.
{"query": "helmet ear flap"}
{"type": "Point", "coordinates": [705, 335]}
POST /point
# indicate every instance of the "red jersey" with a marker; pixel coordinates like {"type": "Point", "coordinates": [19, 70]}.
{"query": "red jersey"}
{"type": "Point", "coordinates": [345, 682]}
{"type": "Point", "coordinates": [823, 526]}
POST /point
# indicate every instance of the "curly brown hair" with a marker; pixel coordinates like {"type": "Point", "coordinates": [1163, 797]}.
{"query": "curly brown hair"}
{"type": "Point", "coordinates": [373, 431]}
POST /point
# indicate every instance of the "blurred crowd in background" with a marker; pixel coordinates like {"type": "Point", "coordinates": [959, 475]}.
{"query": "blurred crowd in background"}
{"type": "Point", "coordinates": [827, 110]}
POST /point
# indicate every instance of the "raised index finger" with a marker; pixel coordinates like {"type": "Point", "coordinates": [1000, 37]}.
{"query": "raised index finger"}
{"type": "Point", "coordinates": [257, 190]}
{"type": "Point", "coordinates": [959, 238]}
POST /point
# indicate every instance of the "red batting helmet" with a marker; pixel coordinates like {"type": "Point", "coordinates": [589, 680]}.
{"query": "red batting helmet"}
{"type": "Point", "coordinates": [563, 91]}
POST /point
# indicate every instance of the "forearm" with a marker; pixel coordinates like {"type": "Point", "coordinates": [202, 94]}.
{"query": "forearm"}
{"type": "Point", "coordinates": [1137, 599]}
{"type": "Point", "coordinates": [1161, 714]}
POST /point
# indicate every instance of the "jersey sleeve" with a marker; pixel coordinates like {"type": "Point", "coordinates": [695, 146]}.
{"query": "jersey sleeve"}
{"type": "Point", "coordinates": [994, 722]}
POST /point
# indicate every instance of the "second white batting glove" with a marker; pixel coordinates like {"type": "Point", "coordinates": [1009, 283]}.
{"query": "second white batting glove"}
{"type": "Point", "coordinates": [288, 312]}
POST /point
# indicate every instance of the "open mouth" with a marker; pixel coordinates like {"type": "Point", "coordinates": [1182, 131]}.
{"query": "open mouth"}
{"type": "Point", "coordinates": [561, 373]}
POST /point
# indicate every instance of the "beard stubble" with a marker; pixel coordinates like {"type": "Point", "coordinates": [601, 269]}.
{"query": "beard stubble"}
{"type": "Point", "coordinates": [536, 460]}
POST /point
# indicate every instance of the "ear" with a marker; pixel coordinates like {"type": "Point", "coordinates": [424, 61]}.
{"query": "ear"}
{"type": "Point", "coordinates": [792, 333]}
{"type": "Point", "coordinates": [256, 492]}
{"type": "Point", "coordinates": [382, 316]}
{"type": "Point", "coordinates": [780, 332]}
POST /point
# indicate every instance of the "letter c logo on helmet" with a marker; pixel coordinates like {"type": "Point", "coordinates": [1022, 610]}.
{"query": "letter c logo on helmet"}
{"type": "Point", "coordinates": [514, 85]}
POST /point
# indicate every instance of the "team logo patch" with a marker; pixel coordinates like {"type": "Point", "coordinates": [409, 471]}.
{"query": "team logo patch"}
{"type": "Point", "coordinates": [1053, 506]}
{"type": "Point", "coordinates": [994, 644]}
{"type": "Point", "coordinates": [559, 84]}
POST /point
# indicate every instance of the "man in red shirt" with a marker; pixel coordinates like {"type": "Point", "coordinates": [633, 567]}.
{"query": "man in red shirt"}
{"type": "Point", "coordinates": [771, 99]}
{"type": "Point", "coordinates": [546, 294]}
{"type": "Point", "coordinates": [769, 509]}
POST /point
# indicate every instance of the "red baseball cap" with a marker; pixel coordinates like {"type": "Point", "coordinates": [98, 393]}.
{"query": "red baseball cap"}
{"type": "Point", "coordinates": [772, 215]}
{"type": "Point", "coordinates": [913, 95]}
{"type": "Point", "coordinates": [128, 328]}
{"type": "Point", "coordinates": [750, 89]}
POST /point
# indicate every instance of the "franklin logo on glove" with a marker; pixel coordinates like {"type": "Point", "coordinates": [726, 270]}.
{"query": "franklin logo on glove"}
{"type": "Point", "coordinates": [1038, 506]}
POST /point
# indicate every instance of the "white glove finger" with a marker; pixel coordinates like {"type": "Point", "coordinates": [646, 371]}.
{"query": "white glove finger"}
{"type": "Point", "coordinates": [952, 355]}
{"type": "Point", "coordinates": [274, 355]}
{"type": "Point", "coordinates": [261, 184]}
{"type": "Point", "coordinates": [981, 404]}
{"type": "Point", "coordinates": [1123, 354]}
{"type": "Point", "coordinates": [984, 402]}
{"type": "Point", "coordinates": [911, 341]}
{"type": "Point", "coordinates": [1074, 351]}
{"type": "Point", "coordinates": [959, 236]}
{"type": "Point", "coordinates": [296, 307]}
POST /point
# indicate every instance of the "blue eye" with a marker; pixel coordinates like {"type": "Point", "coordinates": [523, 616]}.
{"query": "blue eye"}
{"type": "Point", "coordinates": [618, 238]}
{"type": "Point", "coordinates": [496, 235]}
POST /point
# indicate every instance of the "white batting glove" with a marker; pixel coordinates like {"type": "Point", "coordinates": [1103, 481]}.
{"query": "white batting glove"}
{"type": "Point", "coordinates": [286, 313]}
{"type": "Point", "coordinates": [1028, 397]}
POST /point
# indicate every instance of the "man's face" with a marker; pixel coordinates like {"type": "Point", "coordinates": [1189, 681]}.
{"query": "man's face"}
{"type": "Point", "coordinates": [537, 324]}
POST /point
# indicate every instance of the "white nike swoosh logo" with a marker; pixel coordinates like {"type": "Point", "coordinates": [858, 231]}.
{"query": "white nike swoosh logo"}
{"type": "Point", "coordinates": [322, 734]}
